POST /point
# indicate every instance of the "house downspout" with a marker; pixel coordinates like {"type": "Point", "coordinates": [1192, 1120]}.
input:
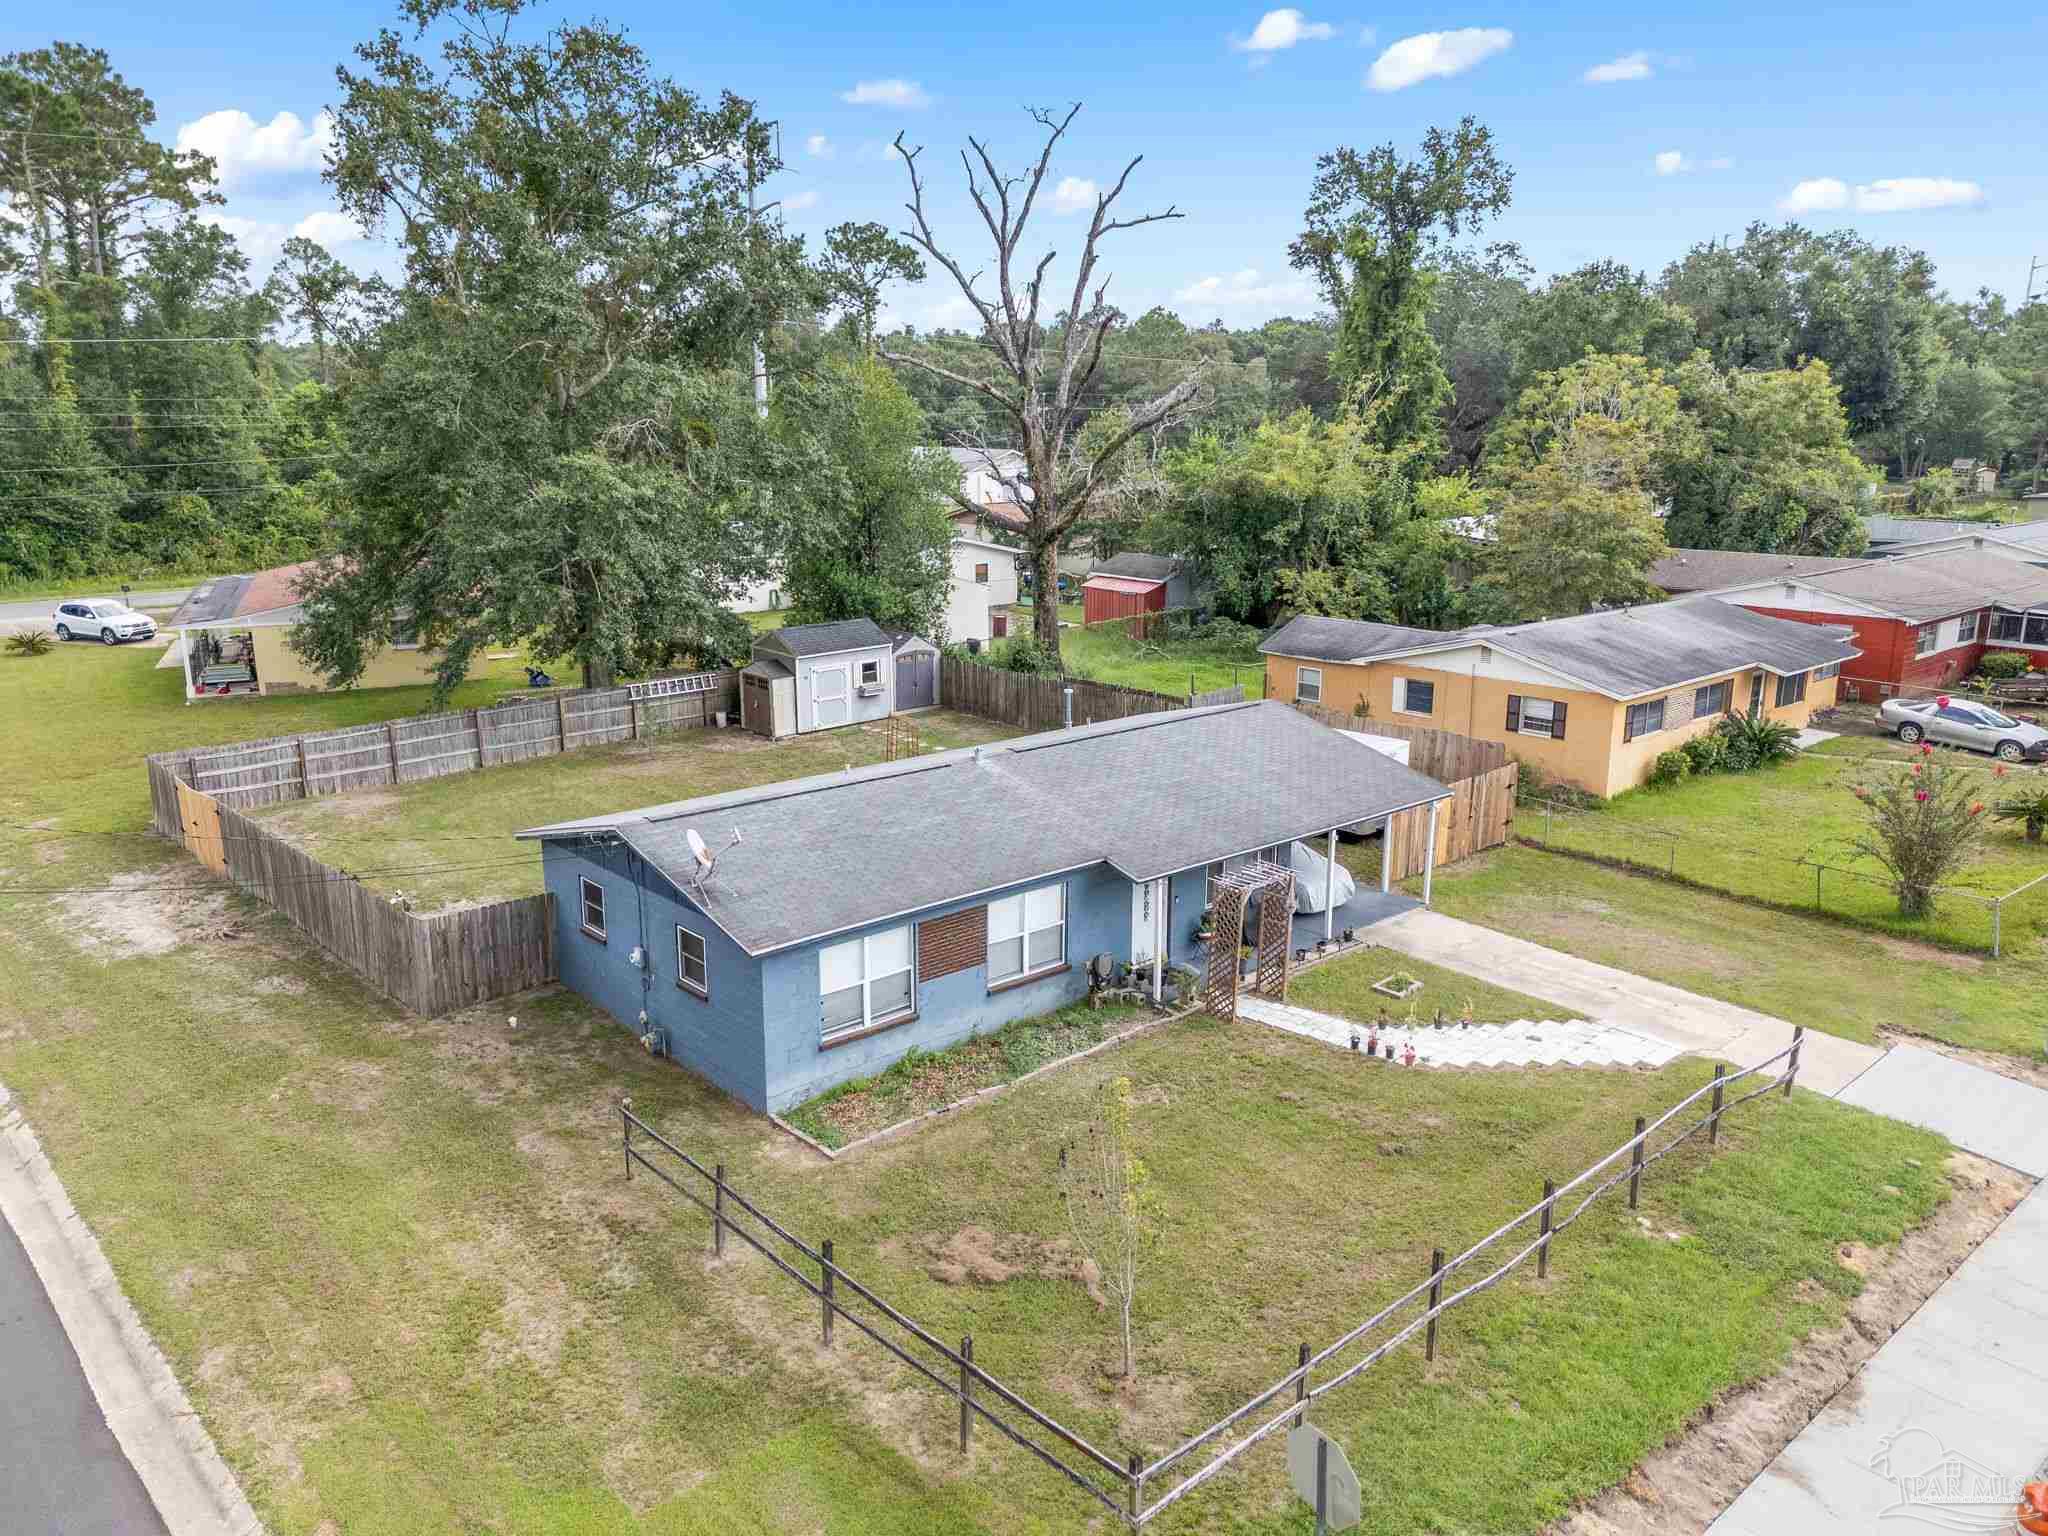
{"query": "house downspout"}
{"type": "Point", "coordinates": [1330, 888]}
{"type": "Point", "coordinates": [1158, 932]}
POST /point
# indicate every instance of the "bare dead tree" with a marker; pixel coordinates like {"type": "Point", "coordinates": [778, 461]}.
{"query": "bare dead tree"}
{"type": "Point", "coordinates": [1041, 390]}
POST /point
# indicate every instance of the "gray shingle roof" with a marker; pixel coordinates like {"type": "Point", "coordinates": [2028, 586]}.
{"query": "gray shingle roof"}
{"type": "Point", "coordinates": [1137, 567]}
{"type": "Point", "coordinates": [1707, 570]}
{"type": "Point", "coordinates": [1148, 795]}
{"type": "Point", "coordinates": [1343, 639]}
{"type": "Point", "coordinates": [1938, 584]}
{"type": "Point", "coordinates": [1627, 652]}
{"type": "Point", "coordinates": [768, 667]}
{"type": "Point", "coordinates": [217, 599]}
{"type": "Point", "coordinates": [822, 639]}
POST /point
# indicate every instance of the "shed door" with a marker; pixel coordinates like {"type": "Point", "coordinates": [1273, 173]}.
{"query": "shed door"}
{"type": "Point", "coordinates": [828, 696]}
{"type": "Point", "coordinates": [916, 680]}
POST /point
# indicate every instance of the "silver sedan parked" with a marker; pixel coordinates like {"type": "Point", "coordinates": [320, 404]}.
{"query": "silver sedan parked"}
{"type": "Point", "coordinates": [1960, 723]}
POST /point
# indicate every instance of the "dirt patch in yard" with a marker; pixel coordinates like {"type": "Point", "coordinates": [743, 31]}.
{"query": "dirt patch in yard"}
{"type": "Point", "coordinates": [976, 1256]}
{"type": "Point", "coordinates": [1927, 954]}
{"type": "Point", "coordinates": [1684, 1486]}
{"type": "Point", "coordinates": [141, 913]}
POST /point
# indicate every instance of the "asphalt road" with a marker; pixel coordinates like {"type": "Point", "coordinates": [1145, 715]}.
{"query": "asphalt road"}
{"type": "Point", "coordinates": [39, 609]}
{"type": "Point", "coordinates": [61, 1471]}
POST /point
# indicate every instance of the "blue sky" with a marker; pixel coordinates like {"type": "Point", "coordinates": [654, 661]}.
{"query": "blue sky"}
{"type": "Point", "coordinates": [1919, 125]}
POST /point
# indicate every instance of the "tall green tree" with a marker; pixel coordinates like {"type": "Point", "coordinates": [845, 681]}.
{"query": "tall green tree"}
{"type": "Point", "coordinates": [1603, 306]}
{"type": "Point", "coordinates": [1772, 468]}
{"type": "Point", "coordinates": [1475, 316]}
{"type": "Point", "coordinates": [551, 436]}
{"type": "Point", "coordinates": [1385, 354]}
{"type": "Point", "coordinates": [877, 546]}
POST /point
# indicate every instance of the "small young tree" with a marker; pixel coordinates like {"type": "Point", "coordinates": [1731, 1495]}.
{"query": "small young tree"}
{"type": "Point", "coordinates": [1925, 820]}
{"type": "Point", "coordinates": [1103, 1184]}
{"type": "Point", "coordinates": [2028, 806]}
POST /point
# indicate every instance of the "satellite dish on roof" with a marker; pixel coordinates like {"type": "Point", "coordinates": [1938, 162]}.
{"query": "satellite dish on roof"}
{"type": "Point", "coordinates": [707, 861]}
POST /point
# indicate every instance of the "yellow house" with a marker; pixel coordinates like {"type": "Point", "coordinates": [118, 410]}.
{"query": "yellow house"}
{"type": "Point", "coordinates": [1592, 700]}
{"type": "Point", "coordinates": [234, 632]}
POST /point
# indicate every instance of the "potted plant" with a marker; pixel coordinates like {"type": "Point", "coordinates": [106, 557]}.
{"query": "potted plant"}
{"type": "Point", "coordinates": [1205, 926]}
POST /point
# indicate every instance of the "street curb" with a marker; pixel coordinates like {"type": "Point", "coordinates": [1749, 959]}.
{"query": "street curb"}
{"type": "Point", "coordinates": [152, 1420]}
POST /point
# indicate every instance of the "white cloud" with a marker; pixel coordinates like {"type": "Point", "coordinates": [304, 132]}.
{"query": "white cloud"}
{"type": "Point", "coordinates": [1073, 194]}
{"type": "Point", "coordinates": [1818, 195]}
{"type": "Point", "coordinates": [1895, 194]}
{"type": "Point", "coordinates": [1428, 55]}
{"type": "Point", "coordinates": [1630, 66]}
{"type": "Point", "coordinates": [818, 147]}
{"type": "Point", "coordinates": [1915, 194]}
{"type": "Point", "coordinates": [797, 202]}
{"type": "Point", "coordinates": [887, 93]}
{"type": "Point", "coordinates": [245, 148]}
{"type": "Point", "coordinates": [1671, 162]}
{"type": "Point", "coordinates": [1283, 29]}
{"type": "Point", "coordinates": [1244, 290]}
{"type": "Point", "coordinates": [329, 228]}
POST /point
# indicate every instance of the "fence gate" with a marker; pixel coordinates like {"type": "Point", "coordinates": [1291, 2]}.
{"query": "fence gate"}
{"type": "Point", "coordinates": [199, 821]}
{"type": "Point", "coordinates": [1272, 887]}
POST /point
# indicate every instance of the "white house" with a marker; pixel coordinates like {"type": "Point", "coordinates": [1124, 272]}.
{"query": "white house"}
{"type": "Point", "coordinates": [980, 590]}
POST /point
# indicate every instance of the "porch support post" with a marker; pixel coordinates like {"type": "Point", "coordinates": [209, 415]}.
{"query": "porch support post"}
{"type": "Point", "coordinates": [1330, 888]}
{"type": "Point", "coordinates": [1386, 855]}
{"type": "Point", "coordinates": [1429, 855]}
{"type": "Point", "coordinates": [1159, 935]}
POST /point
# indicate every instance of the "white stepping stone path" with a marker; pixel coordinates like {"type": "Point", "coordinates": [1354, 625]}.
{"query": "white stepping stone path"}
{"type": "Point", "coordinates": [1521, 1043]}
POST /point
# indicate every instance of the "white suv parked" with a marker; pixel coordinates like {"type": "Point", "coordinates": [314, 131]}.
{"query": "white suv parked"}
{"type": "Point", "coordinates": [102, 619]}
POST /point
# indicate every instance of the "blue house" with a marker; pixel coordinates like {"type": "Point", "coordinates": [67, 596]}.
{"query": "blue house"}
{"type": "Point", "coordinates": [852, 917]}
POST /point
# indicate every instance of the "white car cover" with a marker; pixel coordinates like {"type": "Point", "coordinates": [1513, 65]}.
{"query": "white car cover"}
{"type": "Point", "coordinates": [1310, 871]}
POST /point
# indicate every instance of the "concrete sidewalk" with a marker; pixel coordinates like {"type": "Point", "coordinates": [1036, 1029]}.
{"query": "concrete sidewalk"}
{"type": "Point", "coordinates": [1702, 1025]}
{"type": "Point", "coordinates": [85, 1334]}
{"type": "Point", "coordinates": [1943, 1425]}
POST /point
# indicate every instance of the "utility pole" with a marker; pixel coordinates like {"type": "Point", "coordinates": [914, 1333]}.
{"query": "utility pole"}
{"type": "Point", "coordinates": [2032, 267]}
{"type": "Point", "coordinates": [753, 213]}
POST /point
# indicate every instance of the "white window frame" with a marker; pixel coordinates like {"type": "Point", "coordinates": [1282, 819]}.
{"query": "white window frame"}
{"type": "Point", "coordinates": [2008, 627]}
{"type": "Point", "coordinates": [1524, 718]}
{"type": "Point", "coordinates": [1966, 629]}
{"type": "Point", "coordinates": [869, 1019]}
{"type": "Point", "coordinates": [583, 908]}
{"type": "Point", "coordinates": [699, 988]}
{"type": "Point", "coordinates": [1011, 920]}
{"type": "Point", "coordinates": [1401, 697]}
{"type": "Point", "coordinates": [870, 674]}
{"type": "Point", "coordinates": [1306, 692]}
{"type": "Point", "coordinates": [1926, 640]}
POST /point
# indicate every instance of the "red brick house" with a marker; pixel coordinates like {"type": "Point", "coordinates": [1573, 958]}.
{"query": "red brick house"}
{"type": "Point", "coordinates": [1919, 620]}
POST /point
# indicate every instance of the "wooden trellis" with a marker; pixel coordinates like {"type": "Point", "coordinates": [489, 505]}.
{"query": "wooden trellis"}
{"type": "Point", "coordinates": [1272, 886]}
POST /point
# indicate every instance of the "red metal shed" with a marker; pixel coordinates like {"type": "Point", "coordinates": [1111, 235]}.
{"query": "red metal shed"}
{"type": "Point", "coordinates": [1120, 597]}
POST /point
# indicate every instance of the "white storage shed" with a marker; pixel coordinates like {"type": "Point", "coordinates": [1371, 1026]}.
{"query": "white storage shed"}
{"type": "Point", "coordinates": [840, 673]}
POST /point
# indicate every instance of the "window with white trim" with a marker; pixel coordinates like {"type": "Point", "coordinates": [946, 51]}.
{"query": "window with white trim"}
{"type": "Point", "coordinates": [1308, 685]}
{"type": "Point", "coordinates": [870, 673]}
{"type": "Point", "coordinates": [1791, 689]}
{"type": "Point", "coordinates": [2006, 626]}
{"type": "Point", "coordinates": [1966, 629]}
{"type": "Point", "coordinates": [693, 971]}
{"type": "Point", "coordinates": [866, 982]}
{"type": "Point", "coordinates": [1535, 717]}
{"type": "Point", "coordinates": [1832, 669]}
{"type": "Point", "coordinates": [1926, 638]}
{"type": "Point", "coordinates": [1027, 934]}
{"type": "Point", "coordinates": [1413, 696]}
{"type": "Point", "coordinates": [2036, 631]}
{"type": "Point", "coordinates": [593, 908]}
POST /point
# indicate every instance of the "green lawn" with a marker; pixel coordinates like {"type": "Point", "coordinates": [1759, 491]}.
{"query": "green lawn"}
{"type": "Point", "coordinates": [1344, 987]}
{"type": "Point", "coordinates": [1108, 654]}
{"type": "Point", "coordinates": [1810, 971]}
{"type": "Point", "coordinates": [469, 818]}
{"type": "Point", "coordinates": [1749, 833]}
{"type": "Point", "coordinates": [396, 1264]}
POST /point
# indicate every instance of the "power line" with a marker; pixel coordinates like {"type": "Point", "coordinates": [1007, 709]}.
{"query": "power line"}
{"type": "Point", "coordinates": [116, 341]}
{"type": "Point", "coordinates": [78, 469]}
{"type": "Point", "coordinates": [352, 877]}
{"type": "Point", "coordinates": [58, 834]}
{"type": "Point", "coordinates": [174, 490]}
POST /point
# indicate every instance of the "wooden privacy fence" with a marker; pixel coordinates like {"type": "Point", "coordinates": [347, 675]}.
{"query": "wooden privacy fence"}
{"type": "Point", "coordinates": [251, 773]}
{"type": "Point", "coordinates": [1129, 1488]}
{"type": "Point", "coordinates": [432, 964]}
{"type": "Point", "coordinates": [1442, 755]}
{"type": "Point", "coordinates": [1039, 703]}
{"type": "Point", "coordinates": [1480, 814]}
